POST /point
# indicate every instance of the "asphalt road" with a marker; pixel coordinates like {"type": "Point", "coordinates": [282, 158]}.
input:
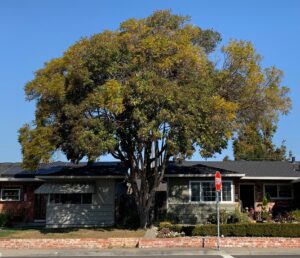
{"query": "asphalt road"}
{"type": "Point", "coordinates": [179, 256]}
{"type": "Point", "coordinates": [266, 256]}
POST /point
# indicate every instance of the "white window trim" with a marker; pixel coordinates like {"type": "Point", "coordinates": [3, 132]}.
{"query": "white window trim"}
{"type": "Point", "coordinates": [81, 200]}
{"type": "Point", "coordinates": [19, 194]}
{"type": "Point", "coordinates": [210, 202]}
{"type": "Point", "coordinates": [280, 198]}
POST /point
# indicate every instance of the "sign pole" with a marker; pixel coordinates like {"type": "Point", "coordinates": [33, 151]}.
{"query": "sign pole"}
{"type": "Point", "coordinates": [218, 221]}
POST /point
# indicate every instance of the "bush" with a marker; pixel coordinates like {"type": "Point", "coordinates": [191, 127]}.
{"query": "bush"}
{"type": "Point", "coordinates": [241, 230]}
{"type": "Point", "coordinates": [295, 215]}
{"type": "Point", "coordinates": [165, 224]}
{"type": "Point", "coordinates": [5, 219]}
{"type": "Point", "coordinates": [130, 221]}
{"type": "Point", "coordinates": [224, 216]}
{"type": "Point", "coordinates": [238, 217]}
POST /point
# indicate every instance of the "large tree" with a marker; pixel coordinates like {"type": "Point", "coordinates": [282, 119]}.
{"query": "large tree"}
{"type": "Point", "coordinates": [255, 143]}
{"type": "Point", "coordinates": [146, 93]}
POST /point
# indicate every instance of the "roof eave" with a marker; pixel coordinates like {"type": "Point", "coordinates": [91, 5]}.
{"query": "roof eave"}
{"type": "Point", "coordinates": [269, 178]}
{"type": "Point", "coordinates": [83, 177]}
{"type": "Point", "coordinates": [12, 179]}
{"type": "Point", "coordinates": [203, 175]}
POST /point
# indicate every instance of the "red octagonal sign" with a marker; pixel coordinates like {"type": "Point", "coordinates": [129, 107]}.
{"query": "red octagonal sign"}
{"type": "Point", "coordinates": [218, 181]}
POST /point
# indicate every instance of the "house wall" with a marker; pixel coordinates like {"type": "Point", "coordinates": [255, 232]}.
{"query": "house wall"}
{"type": "Point", "coordinates": [259, 193]}
{"type": "Point", "coordinates": [99, 213]}
{"type": "Point", "coordinates": [23, 210]}
{"type": "Point", "coordinates": [179, 204]}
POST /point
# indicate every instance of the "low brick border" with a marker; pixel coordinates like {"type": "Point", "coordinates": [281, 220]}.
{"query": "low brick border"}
{"type": "Point", "coordinates": [77, 243]}
{"type": "Point", "coordinates": [181, 242]}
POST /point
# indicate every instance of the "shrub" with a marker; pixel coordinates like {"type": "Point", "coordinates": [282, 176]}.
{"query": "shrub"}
{"type": "Point", "coordinates": [5, 219]}
{"type": "Point", "coordinates": [224, 216]}
{"type": "Point", "coordinates": [238, 217]}
{"type": "Point", "coordinates": [165, 224]}
{"type": "Point", "coordinates": [295, 215]}
{"type": "Point", "coordinates": [130, 221]}
{"type": "Point", "coordinates": [241, 230]}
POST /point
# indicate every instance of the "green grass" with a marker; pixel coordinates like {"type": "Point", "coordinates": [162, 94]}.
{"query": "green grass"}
{"type": "Point", "coordinates": [6, 232]}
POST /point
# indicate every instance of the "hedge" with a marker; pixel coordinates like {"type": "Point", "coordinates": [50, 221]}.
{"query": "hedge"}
{"type": "Point", "coordinates": [239, 230]}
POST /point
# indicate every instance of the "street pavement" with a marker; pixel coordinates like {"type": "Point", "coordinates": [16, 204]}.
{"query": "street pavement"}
{"type": "Point", "coordinates": [163, 253]}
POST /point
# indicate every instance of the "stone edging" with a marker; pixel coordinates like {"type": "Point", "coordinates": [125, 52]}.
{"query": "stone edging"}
{"type": "Point", "coordinates": [181, 242]}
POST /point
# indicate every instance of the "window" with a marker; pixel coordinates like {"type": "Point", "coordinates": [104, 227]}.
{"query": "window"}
{"type": "Point", "coordinates": [278, 191]}
{"type": "Point", "coordinates": [10, 194]}
{"type": "Point", "coordinates": [71, 198]}
{"type": "Point", "coordinates": [226, 192]}
{"type": "Point", "coordinates": [206, 192]}
{"type": "Point", "coordinates": [195, 192]}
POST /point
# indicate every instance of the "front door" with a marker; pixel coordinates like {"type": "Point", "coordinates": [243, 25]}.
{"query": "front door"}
{"type": "Point", "coordinates": [40, 205]}
{"type": "Point", "coordinates": [247, 196]}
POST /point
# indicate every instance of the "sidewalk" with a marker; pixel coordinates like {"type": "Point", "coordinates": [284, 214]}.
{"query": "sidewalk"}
{"type": "Point", "coordinates": [147, 252]}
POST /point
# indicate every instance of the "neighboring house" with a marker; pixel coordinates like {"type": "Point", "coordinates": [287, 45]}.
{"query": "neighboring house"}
{"type": "Point", "coordinates": [191, 190]}
{"type": "Point", "coordinates": [67, 195]}
{"type": "Point", "coordinates": [17, 191]}
{"type": "Point", "coordinates": [62, 194]}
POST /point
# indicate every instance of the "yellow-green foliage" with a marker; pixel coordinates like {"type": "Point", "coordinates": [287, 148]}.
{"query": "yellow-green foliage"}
{"type": "Point", "coordinates": [150, 80]}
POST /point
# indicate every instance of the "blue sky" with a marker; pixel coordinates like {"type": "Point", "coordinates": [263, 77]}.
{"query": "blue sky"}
{"type": "Point", "coordinates": [33, 32]}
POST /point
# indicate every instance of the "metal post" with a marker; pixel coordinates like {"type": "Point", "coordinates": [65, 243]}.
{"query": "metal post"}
{"type": "Point", "coordinates": [218, 221]}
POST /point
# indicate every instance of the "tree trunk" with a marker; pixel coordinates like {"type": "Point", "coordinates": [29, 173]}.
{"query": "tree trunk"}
{"type": "Point", "coordinates": [144, 217]}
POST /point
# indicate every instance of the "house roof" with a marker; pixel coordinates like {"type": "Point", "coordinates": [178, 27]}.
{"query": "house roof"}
{"type": "Point", "coordinates": [241, 169]}
{"type": "Point", "coordinates": [250, 169]}
{"type": "Point", "coordinates": [60, 169]}
{"type": "Point", "coordinates": [14, 170]}
{"type": "Point", "coordinates": [198, 169]}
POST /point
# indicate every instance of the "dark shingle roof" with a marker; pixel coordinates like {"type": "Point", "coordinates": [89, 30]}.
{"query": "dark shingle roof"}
{"type": "Point", "coordinates": [197, 168]}
{"type": "Point", "coordinates": [82, 169]}
{"type": "Point", "coordinates": [14, 170]}
{"type": "Point", "coordinates": [249, 168]}
{"type": "Point", "coordinates": [64, 169]}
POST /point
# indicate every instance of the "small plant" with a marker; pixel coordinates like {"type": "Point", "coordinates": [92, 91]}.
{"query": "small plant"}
{"type": "Point", "coordinates": [238, 217]}
{"type": "Point", "coordinates": [165, 224]}
{"type": "Point", "coordinates": [295, 215]}
{"type": "Point", "coordinates": [266, 216]}
{"type": "Point", "coordinates": [224, 216]}
{"type": "Point", "coordinates": [265, 202]}
{"type": "Point", "coordinates": [167, 233]}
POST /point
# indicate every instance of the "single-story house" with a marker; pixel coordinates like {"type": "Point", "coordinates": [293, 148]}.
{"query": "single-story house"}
{"type": "Point", "coordinates": [62, 194]}
{"type": "Point", "coordinates": [191, 191]}
{"type": "Point", "coordinates": [67, 195]}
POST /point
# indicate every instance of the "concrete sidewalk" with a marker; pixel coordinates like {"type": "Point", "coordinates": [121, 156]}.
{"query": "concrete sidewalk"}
{"type": "Point", "coordinates": [147, 252]}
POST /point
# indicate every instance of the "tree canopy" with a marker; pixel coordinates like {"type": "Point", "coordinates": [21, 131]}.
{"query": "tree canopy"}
{"type": "Point", "coordinates": [145, 93]}
{"type": "Point", "coordinates": [256, 144]}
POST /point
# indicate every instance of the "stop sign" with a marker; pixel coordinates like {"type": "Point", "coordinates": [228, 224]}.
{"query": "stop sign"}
{"type": "Point", "coordinates": [218, 181]}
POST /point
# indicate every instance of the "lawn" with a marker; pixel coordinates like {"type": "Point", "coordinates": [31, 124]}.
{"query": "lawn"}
{"type": "Point", "coordinates": [70, 233]}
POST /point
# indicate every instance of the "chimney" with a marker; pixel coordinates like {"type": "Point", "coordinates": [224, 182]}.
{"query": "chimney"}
{"type": "Point", "coordinates": [293, 159]}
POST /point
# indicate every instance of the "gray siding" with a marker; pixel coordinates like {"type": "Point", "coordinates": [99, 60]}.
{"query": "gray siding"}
{"type": "Point", "coordinates": [99, 213]}
{"type": "Point", "coordinates": [185, 211]}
